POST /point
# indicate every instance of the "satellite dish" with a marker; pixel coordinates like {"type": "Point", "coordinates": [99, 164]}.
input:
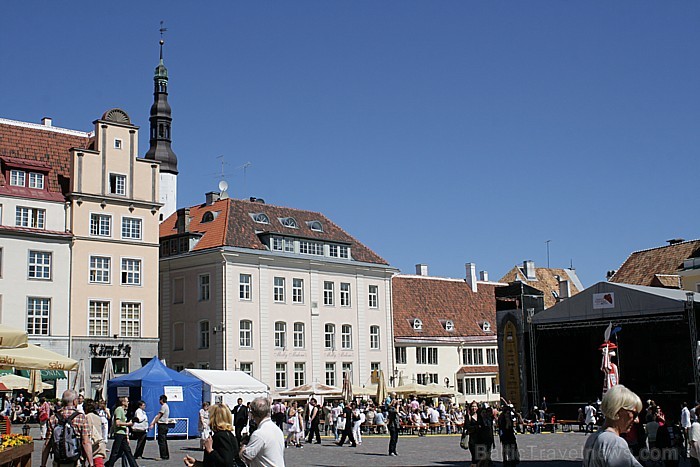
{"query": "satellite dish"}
{"type": "Point", "coordinates": [223, 185]}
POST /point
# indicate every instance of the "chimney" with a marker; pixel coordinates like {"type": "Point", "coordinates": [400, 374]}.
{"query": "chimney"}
{"type": "Point", "coordinates": [471, 275]}
{"type": "Point", "coordinates": [47, 121]}
{"type": "Point", "coordinates": [212, 197]}
{"type": "Point", "coordinates": [673, 241]}
{"type": "Point", "coordinates": [564, 289]}
{"type": "Point", "coordinates": [484, 276]}
{"type": "Point", "coordinates": [421, 269]}
{"type": "Point", "coordinates": [183, 220]}
{"type": "Point", "coordinates": [529, 270]}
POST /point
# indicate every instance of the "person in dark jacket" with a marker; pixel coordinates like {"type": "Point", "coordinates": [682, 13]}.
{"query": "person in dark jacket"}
{"type": "Point", "coordinates": [348, 413]}
{"type": "Point", "coordinates": [240, 418]}
{"type": "Point", "coordinates": [471, 428]}
{"type": "Point", "coordinates": [394, 426]}
{"type": "Point", "coordinates": [221, 449]}
{"type": "Point", "coordinates": [506, 431]}
{"type": "Point", "coordinates": [314, 415]}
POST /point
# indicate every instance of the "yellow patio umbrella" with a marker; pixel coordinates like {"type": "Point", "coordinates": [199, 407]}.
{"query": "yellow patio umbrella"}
{"type": "Point", "coordinates": [33, 357]}
{"type": "Point", "coordinates": [381, 388]}
{"type": "Point", "coordinates": [368, 390]}
{"type": "Point", "coordinates": [12, 381]}
{"type": "Point", "coordinates": [11, 338]}
{"type": "Point", "coordinates": [412, 388]}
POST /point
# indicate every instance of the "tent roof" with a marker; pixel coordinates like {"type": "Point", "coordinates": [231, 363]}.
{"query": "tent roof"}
{"type": "Point", "coordinates": [228, 381]}
{"type": "Point", "coordinates": [630, 301]}
{"type": "Point", "coordinates": [153, 371]}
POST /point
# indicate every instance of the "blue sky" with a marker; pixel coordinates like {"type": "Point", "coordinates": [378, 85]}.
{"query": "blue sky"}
{"type": "Point", "coordinates": [435, 132]}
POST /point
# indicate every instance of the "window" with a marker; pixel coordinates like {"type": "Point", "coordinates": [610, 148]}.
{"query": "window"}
{"type": "Point", "coordinates": [316, 226]}
{"type": "Point", "coordinates": [299, 336]}
{"type": "Point", "coordinates": [491, 357]}
{"type": "Point", "coordinates": [204, 334]}
{"type": "Point", "coordinates": [261, 218]}
{"type": "Point", "coordinates": [426, 355]}
{"type": "Point", "coordinates": [98, 318]}
{"type": "Point", "coordinates": [297, 290]}
{"type": "Point", "coordinates": [117, 144]}
{"type": "Point", "coordinates": [473, 386]}
{"type": "Point", "coordinates": [36, 180]}
{"type": "Point", "coordinates": [39, 265]}
{"type": "Point", "coordinates": [330, 374]}
{"type": "Point", "coordinates": [207, 217]}
{"type": "Point", "coordinates": [289, 222]}
{"type": "Point", "coordinates": [417, 324]}
{"type": "Point", "coordinates": [100, 225]}
{"type": "Point", "coordinates": [99, 270]}
{"type": "Point", "coordinates": [117, 184]}
{"type": "Point", "coordinates": [247, 368]}
{"type": "Point", "coordinates": [328, 293]}
{"type": "Point", "coordinates": [179, 336]}
{"type": "Point", "coordinates": [280, 375]}
{"type": "Point", "coordinates": [374, 337]}
{"type": "Point", "coordinates": [449, 325]}
{"type": "Point", "coordinates": [401, 355]}
{"type": "Point", "coordinates": [373, 296]}
{"type": "Point", "coordinates": [18, 178]}
{"type": "Point", "coordinates": [121, 365]}
{"type": "Point", "coordinates": [245, 333]}
{"type": "Point", "coordinates": [344, 294]}
{"type": "Point", "coordinates": [244, 285]}
{"type": "Point", "coordinates": [30, 217]}
{"type": "Point", "coordinates": [347, 369]}
{"type": "Point", "coordinates": [179, 290]}
{"type": "Point", "coordinates": [338, 251]}
{"type": "Point", "coordinates": [130, 320]}
{"type": "Point", "coordinates": [204, 287]}
{"type": "Point", "coordinates": [131, 228]}
{"type": "Point", "coordinates": [495, 387]}
{"type": "Point", "coordinates": [375, 366]}
{"type": "Point", "coordinates": [472, 357]}
{"type": "Point", "coordinates": [310, 248]}
{"type": "Point", "coordinates": [38, 313]}
{"type": "Point", "coordinates": [280, 334]}
{"type": "Point", "coordinates": [426, 378]}
{"type": "Point", "coordinates": [131, 271]}
{"type": "Point", "coordinates": [278, 289]}
{"type": "Point", "coordinates": [329, 336]}
{"type": "Point", "coordinates": [282, 244]}
{"type": "Point", "coordinates": [346, 336]}
{"type": "Point", "coordinates": [299, 373]}
{"type": "Point", "coordinates": [1, 252]}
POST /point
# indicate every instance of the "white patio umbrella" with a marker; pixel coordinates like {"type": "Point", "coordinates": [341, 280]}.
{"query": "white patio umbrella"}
{"type": "Point", "coordinates": [19, 382]}
{"type": "Point", "coordinates": [81, 382]}
{"type": "Point", "coordinates": [107, 374]}
{"type": "Point", "coordinates": [33, 357]}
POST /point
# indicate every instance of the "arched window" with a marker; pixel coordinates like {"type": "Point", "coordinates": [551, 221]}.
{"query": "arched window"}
{"type": "Point", "coordinates": [329, 336]}
{"type": "Point", "coordinates": [316, 226]}
{"type": "Point", "coordinates": [208, 217]}
{"type": "Point", "coordinates": [289, 222]}
{"type": "Point", "coordinates": [246, 333]}
{"type": "Point", "coordinates": [261, 218]}
{"type": "Point", "coordinates": [417, 325]}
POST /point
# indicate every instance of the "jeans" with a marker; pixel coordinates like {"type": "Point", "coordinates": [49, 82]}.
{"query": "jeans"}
{"type": "Point", "coordinates": [393, 439]}
{"type": "Point", "coordinates": [163, 440]}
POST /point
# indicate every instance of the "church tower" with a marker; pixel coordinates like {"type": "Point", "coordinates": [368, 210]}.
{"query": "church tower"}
{"type": "Point", "coordinates": [160, 140]}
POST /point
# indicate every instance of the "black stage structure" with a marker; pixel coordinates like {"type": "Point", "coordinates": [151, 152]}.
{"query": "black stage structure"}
{"type": "Point", "coordinates": [657, 346]}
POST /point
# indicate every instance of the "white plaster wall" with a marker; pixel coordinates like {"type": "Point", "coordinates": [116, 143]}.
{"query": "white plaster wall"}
{"type": "Point", "coordinates": [168, 194]}
{"type": "Point", "coordinates": [55, 218]}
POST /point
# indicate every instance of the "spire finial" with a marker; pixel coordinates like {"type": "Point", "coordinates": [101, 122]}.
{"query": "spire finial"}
{"type": "Point", "coordinates": [162, 30]}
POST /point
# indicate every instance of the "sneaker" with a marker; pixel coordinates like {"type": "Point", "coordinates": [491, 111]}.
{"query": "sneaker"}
{"type": "Point", "coordinates": [393, 454]}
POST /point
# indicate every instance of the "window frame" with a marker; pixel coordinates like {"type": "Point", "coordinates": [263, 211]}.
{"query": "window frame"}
{"type": "Point", "coordinates": [331, 373]}
{"type": "Point", "coordinates": [136, 274]}
{"type": "Point", "coordinates": [36, 180]}
{"type": "Point", "coordinates": [299, 336]}
{"type": "Point", "coordinates": [97, 225]}
{"type": "Point", "coordinates": [130, 326]}
{"type": "Point", "coordinates": [297, 290]}
{"type": "Point", "coordinates": [400, 356]}
{"type": "Point", "coordinates": [136, 226]}
{"type": "Point", "coordinates": [280, 334]}
{"type": "Point", "coordinates": [117, 184]}
{"type": "Point", "coordinates": [373, 296]}
{"type": "Point", "coordinates": [204, 289]}
{"type": "Point", "coordinates": [204, 335]}
{"type": "Point", "coordinates": [96, 318]}
{"type": "Point", "coordinates": [35, 217]}
{"type": "Point", "coordinates": [280, 375]}
{"type": "Point", "coordinates": [299, 373]}
{"type": "Point", "coordinates": [328, 292]}
{"type": "Point", "coordinates": [245, 334]}
{"type": "Point", "coordinates": [15, 176]}
{"type": "Point", "coordinates": [245, 289]}
{"type": "Point", "coordinates": [345, 295]}
{"type": "Point", "coordinates": [278, 289]}
{"type": "Point", "coordinates": [94, 270]}
{"type": "Point", "coordinates": [346, 337]}
{"type": "Point", "coordinates": [39, 266]}
{"type": "Point", "coordinates": [40, 319]}
{"type": "Point", "coordinates": [374, 337]}
{"type": "Point", "coordinates": [329, 336]}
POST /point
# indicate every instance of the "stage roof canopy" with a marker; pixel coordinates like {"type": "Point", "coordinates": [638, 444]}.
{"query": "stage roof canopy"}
{"type": "Point", "coordinates": [606, 301]}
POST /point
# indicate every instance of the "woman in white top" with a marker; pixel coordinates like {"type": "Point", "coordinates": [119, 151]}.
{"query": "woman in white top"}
{"type": "Point", "coordinates": [139, 429]}
{"type": "Point", "coordinates": [606, 448]}
{"type": "Point", "coordinates": [104, 415]}
{"type": "Point", "coordinates": [204, 430]}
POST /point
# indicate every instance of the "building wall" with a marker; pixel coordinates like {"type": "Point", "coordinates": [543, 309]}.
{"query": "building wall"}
{"type": "Point", "coordinates": [263, 312]}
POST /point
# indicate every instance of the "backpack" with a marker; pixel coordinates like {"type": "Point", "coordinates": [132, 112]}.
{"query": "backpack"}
{"type": "Point", "coordinates": [64, 440]}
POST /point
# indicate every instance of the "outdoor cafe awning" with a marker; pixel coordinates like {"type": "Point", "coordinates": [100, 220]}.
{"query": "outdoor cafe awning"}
{"type": "Point", "coordinates": [46, 375]}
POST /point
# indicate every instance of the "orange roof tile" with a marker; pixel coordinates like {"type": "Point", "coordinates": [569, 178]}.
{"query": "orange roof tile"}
{"type": "Point", "coordinates": [479, 369]}
{"type": "Point", "coordinates": [645, 266]}
{"type": "Point", "coordinates": [546, 282]}
{"type": "Point", "coordinates": [434, 300]}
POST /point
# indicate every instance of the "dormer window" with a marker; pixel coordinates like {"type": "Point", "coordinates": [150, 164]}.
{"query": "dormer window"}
{"type": "Point", "coordinates": [417, 325]}
{"type": "Point", "coordinates": [289, 222]}
{"type": "Point", "coordinates": [449, 325]}
{"type": "Point", "coordinates": [36, 180]}
{"type": "Point", "coordinates": [18, 177]}
{"type": "Point", "coordinates": [260, 218]}
{"type": "Point", "coordinates": [486, 326]}
{"type": "Point", "coordinates": [207, 217]}
{"type": "Point", "coordinates": [316, 226]}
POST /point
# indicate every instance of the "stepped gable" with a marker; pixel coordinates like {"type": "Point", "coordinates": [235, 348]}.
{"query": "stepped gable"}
{"type": "Point", "coordinates": [434, 300]}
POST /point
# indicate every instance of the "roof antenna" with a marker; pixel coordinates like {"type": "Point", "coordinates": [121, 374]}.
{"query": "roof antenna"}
{"type": "Point", "coordinates": [245, 174]}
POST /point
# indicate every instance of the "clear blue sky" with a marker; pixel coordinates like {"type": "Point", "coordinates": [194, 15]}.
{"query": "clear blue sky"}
{"type": "Point", "coordinates": [436, 131]}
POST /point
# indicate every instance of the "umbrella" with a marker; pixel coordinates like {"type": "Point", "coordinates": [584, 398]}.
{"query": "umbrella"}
{"type": "Point", "coordinates": [413, 388]}
{"type": "Point", "coordinates": [439, 390]}
{"type": "Point", "coordinates": [33, 357]}
{"type": "Point", "coordinates": [81, 383]}
{"type": "Point", "coordinates": [11, 338]}
{"type": "Point", "coordinates": [381, 388]}
{"type": "Point", "coordinates": [35, 382]}
{"type": "Point", "coordinates": [368, 390]}
{"type": "Point", "coordinates": [19, 382]}
{"type": "Point", "coordinates": [107, 374]}
{"type": "Point", "coordinates": [312, 389]}
{"type": "Point", "coordinates": [347, 388]}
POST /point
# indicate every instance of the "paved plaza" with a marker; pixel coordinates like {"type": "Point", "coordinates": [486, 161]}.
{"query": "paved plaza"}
{"type": "Point", "coordinates": [547, 450]}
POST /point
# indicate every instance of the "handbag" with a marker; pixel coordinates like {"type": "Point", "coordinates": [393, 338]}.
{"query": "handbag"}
{"type": "Point", "coordinates": [464, 441]}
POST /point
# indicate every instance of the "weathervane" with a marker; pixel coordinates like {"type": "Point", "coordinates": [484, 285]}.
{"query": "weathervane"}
{"type": "Point", "coordinates": [162, 30]}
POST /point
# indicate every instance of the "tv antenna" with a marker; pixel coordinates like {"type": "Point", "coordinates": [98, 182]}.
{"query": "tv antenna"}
{"type": "Point", "coordinates": [245, 174]}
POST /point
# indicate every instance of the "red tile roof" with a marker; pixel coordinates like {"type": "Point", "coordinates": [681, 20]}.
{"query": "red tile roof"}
{"type": "Point", "coordinates": [647, 267]}
{"type": "Point", "coordinates": [546, 282]}
{"type": "Point", "coordinates": [479, 369]}
{"type": "Point", "coordinates": [434, 300]}
{"type": "Point", "coordinates": [233, 226]}
{"type": "Point", "coordinates": [47, 146]}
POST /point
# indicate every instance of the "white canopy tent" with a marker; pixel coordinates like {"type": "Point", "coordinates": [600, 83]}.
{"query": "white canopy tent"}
{"type": "Point", "coordinates": [227, 386]}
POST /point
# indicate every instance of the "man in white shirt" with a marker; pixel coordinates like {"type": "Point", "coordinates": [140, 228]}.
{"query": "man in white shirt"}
{"type": "Point", "coordinates": [266, 445]}
{"type": "Point", "coordinates": [685, 423]}
{"type": "Point", "coordinates": [694, 441]}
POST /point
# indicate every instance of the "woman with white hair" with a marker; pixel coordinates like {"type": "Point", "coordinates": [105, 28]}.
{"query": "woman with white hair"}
{"type": "Point", "coordinates": [606, 448]}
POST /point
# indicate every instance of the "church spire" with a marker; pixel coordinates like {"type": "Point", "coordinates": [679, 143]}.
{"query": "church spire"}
{"type": "Point", "coordinates": [160, 119]}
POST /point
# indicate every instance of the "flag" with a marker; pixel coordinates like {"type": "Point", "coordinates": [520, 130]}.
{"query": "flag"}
{"type": "Point", "coordinates": [616, 330]}
{"type": "Point", "coordinates": [608, 330]}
